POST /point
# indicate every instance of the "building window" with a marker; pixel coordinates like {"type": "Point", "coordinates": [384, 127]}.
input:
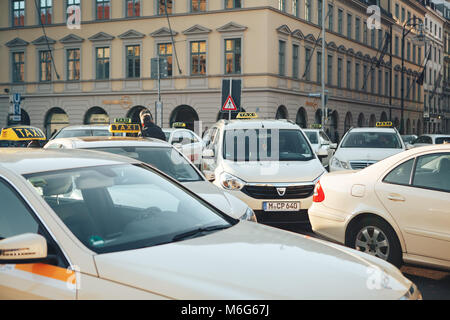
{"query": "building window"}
{"type": "Point", "coordinates": [45, 11]}
{"type": "Point", "coordinates": [397, 11]}
{"type": "Point", "coordinates": [409, 16]}
{"type": "Point", "coordinates": [330, 17]}
{"type": "Point", "coordinates": [403, 14]}
{"type": "Point", "coordinates": [340, 13]}
{"type": "Point", "coordinates": [365, 40]}
{"type": "Point", "coordinates": [45, 66]}
{"type": "Point", "coordinates": [282, 5]}
{"type": "Point", "coordinates": [162, 7]}
{"type": "Point", "coordinates": [357, 29]}
{"type": "Point", "coordinates": [339, 73]}
{"type": "Point", "coordinates": [133, 8]}
{"type": "Point", "coordinates": [349, 25]}
{"type": "Point", "coordinates": [73, 64]}
{"type": "Point", "coordinates": [133, 61]}
{"type": "Point", "coordinates": [18, 67]}
{"type": "Point", "coordinates": [232, 56]}
{"type": "Point", "coordinates": [308, 15]}
{"type": "Point", "coordinates": [198, 5]}
{"type": "Point", "coordinates": [18, 13]}
{"type": "Point", "coordinates": [72, 3]}
{"type": "Point", "coordinates": [198, 58]}
{"type": "Point", "coordinates": [396, 94]}
{"type": "Point", "coordinates": [281, 57]}
{"type": "Point", "coordinates": [386, 83]}
{"type": "Point", "coordinates": [319, 12]}
{"type": "Point", "coordinates": [364, 78]}
{"type": "Point", "coordinates": [396, 44]}
{"type": "Point", "coordinates": [102, 58]}
{"type": "Point", "coordinates": [319, 67]}
{"type": "Point", "coordinates": [165, 51]}
{"type": "Point", "coordinates": [231, 4]}
{"type": "Point", "coordinates": [307, 64]}
{"type": "Point", "coordinates": [408, 51]}
{"type": "Point", "coordinates": [408, 91]}
{"type": "Point", "coordinates": [419, 55]}
{"type": "Point", "coordinates": [357, 84]}
{"type": "Point", "coordinates": [330, 70]}
{"type": "Point", "coordinates": [372, 81]}
{"type": "Point", "coordinates": [380, 82]}
{"type": "Point", "coordinates": [295, 61]}
{"type": "Point", "coordinates": [372, 38]}
{"type": "Point", "coordinates": [349, 74]}
{"type": "Point", "coordinates": [414, 57]}
{"type": "Point", "coordinates": [103, 9]}
{"type": "Point", "coordinates": [380, 38]}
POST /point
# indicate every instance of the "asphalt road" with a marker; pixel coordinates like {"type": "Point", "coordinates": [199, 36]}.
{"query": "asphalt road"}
{"type": "Point", "coordinates": [433, 284]}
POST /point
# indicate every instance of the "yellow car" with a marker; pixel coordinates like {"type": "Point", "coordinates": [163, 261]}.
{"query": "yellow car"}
{"type": "Point", "coordinates": [397, 209]}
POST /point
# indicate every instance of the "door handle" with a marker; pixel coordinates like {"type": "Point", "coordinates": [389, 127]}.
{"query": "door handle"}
{"type": "Point", "coordinates": [396, 197]}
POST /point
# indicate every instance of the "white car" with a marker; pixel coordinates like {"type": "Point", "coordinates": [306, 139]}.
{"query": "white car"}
{"type": "Point", "coordinates": [166, 158]}
{"type": "Point", "coordinates": [187, 141]}
{"type": "Point", "coordinates": [362, 147]}
{"type": "Point", "coordinates": [269, 164]}
{"type": "Point", "coordinates": [428, 139]}
{"type": "Point", "coordinates": [397, 209]}
{"type": "Point", "coordinates": [83, 131]}
{"type": "Point", "coordinates": [79, 224]}
{"type": "Point", "coordinates": [319, 140]}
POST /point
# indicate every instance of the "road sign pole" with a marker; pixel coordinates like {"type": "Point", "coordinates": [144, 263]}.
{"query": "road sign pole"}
{"type": "Point", "coordinates": [229, 111]}
{"type": "Point", "coordinates": [323, 62]}
{"type": "Point", "coordinates": [159, 93]}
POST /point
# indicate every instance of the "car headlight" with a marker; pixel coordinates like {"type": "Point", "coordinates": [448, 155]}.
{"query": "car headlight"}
{"type": "Point", "coordinates": [335, 162]}
{"type": "Point", "coordinates": [249, 215]}
{"type": "Point", "coordinates": [412, 294]}
{"type": "Point", "coordinates": [230, 182]}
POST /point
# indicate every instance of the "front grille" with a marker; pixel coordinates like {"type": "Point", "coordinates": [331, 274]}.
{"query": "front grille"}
{"type": "Point", "coordinates": [292, 192]}
{"type": "Point", "coordinates": [357, 165]}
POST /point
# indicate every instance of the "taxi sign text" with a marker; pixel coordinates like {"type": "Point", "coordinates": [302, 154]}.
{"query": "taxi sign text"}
{"type": "Point", "coordinates": [122, 120]}
{"type": "Point", "coordinates": [22, 133]}
{"type": "Point", "coordinates": [384, 124]}
{"type": "Point", "coordinates": [179, 125]}
{"type": "Point", "coordinates": [124, 128]}
{"type": "Point", "coordinates": [246, 115]}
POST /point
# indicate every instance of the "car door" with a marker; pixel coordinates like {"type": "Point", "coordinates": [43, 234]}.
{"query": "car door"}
{"type": "Point", "coordinates": [417, 195]}
{"type": "Point", "coordinates": [52, 280]}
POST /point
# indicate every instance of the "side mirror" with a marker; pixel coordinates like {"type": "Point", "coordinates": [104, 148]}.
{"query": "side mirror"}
{"type": "Point", "coordinates": [333, 146]}
{"type": "Point", "coordinates": [177, 145]}
{"type": "Point", "coordinates": [24, 248]}
{"type": "Point", "coordinates": [322, 153]}
{"type": "Point", "coordinates": [209, 175]}
{"type": "Point", "coordinates": [208, 153]}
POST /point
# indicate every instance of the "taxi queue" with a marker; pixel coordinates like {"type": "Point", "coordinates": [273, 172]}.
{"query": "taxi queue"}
{"type": "Point", "coordinates": [378, 237]}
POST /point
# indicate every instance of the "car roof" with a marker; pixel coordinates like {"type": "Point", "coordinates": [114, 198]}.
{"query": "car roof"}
{"type": "Point", "coordinates": [374, 129]}
{"type": "Point", "coordinates": [437, 135]}
{"type": "Point", "coordinates": [312, 130]}
{"type": "Point", "coordinates": [259, 123]}
{"type": "Point", "coordinates": [30, 160]}
{"type": "Point", "coordinates": [111, 141]}
{"type": "Point", "coordinates": [86, 126]}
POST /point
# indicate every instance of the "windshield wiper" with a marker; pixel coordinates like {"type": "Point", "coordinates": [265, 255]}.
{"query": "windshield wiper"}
{"type": "Point", "coordinates": [198, 231]}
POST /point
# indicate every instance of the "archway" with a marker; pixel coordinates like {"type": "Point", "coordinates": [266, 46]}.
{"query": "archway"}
{"type": "Point", "coordinates": [408, 126]}
{"type": "Point", "coordinates": [133, 113]}
{"type": "Point", "coordinates": [24, 119]}
{"type": "Point", "coordinates": [318, 116]}
{"type": "Point", "coordinates": [361, 120]}
{"type": "Point", "coordinates": [348, 122]}
{"type": "Point", "coordinates": [372, 120]}
{"type": "Point", "coordinates": [55, 120]}
{"type": "Point", "coordinates": [302, 118]}
{"type": "Point", "coordinates": [383, 117]}
{"type": "Point", "coordinates": [186, 114]}
{"type": "Point", "coordinates": [96, 115]}
{"type": "Point", "coordinates": [334, 126]}
{"type": "Point", "coordinates": [397, 123]}
{"type": "Point", "coordinates": [282, 113]}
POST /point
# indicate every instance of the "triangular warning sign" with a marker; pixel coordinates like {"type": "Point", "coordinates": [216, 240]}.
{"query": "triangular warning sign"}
{"type": "Point", "coordinates": [229, 105]}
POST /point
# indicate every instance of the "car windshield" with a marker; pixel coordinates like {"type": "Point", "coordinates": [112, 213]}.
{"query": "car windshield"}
{"type": "Point", "coordinates": [21, 143]}
{"type": "Point", "coordinates": [168, 160]}
{"type": "Point", "coordinates": [382, 140]}
{"type": "Point", "coordinates": [409, 139]}
{"type": "Point", "coordinates": [266, 145]}
{"type": "Point", "coordinates": [441, 140]}
{"type": "Point", "coordinates": [83, 133]}
{"type": "Point", "coordinates": [124, 207]}
{"type": "Point", "coordinates": [312, 137]}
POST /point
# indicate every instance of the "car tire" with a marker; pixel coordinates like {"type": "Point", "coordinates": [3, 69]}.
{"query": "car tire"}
{"type": "Point", "coordinates": [363, 232]}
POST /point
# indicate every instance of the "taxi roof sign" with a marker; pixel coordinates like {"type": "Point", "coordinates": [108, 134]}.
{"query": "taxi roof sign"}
{"type": "Point", "coordinates": [122, 120]}
{"type": "Point", "coordinates": [316, 126]}
{"type": "Point", "coordinates": [178, 125]}
{"type": "Point", "coordinates": [22, 133]}
{"type": "Point", "coordinates": [385, 124]}
{"type": "Point", "coordinates": [246, 115]}
{"type": "Point", "coordinates": [124, 128]}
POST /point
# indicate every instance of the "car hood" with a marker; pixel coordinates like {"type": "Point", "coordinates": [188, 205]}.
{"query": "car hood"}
{"type": "Point", "coordinates": [275, 171]}
{"type": "Point", "coordinates": [364, 154]}
{"type": "Point", "coordinates": [221, 199]}
{"type": "Point", "coordinates": [254, 261]}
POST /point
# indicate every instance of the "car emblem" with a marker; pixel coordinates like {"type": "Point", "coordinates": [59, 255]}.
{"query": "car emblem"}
{"type": "Point", "coordinates": [281, 191]}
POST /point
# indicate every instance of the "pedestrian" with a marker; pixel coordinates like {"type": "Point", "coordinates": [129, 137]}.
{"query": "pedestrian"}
{"type": "Point", "coordinates": [149, 128]}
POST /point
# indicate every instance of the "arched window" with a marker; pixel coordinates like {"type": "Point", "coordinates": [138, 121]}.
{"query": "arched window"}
{"type": "Point", "coordinates": [383, 117]}
{"type": "Point", "coordinates": [372, 120]}
{"type": "Point", "coordinates": [348, 121]}
{"type": "Point", "coordinates": [361, 120]}
{"type": "Point", "coordinates": [302, 118]}
{"type": "Point", "coordinates": [318, 116]}
{"type": "Point", "coordinates": [281, 113]}
{"type": "Point", "coordinates": [55, 120]}
{"type": "Point", "coordinates": [24, 119]}
{"type": "Point", "coordinates": [133, 113]}
{"type": "Point", "coordinates": [96, 115]}
{"type": "Point", "coordinates": [186, 114]}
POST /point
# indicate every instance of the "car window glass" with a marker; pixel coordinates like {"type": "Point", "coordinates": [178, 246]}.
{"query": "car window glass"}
{"type": "Point", "coordinates": [441, 140]}
{"type": "Point", "coordinates": [325, 138]}
{"type": "Point", "coordinates": [54, 146]}
{"type": "Point", "coordinates": [401, 174]}
{"type": "Point", "coordinates": [312, 137]}
{"type": "Point", "coordinates": [101, 133]}
{"type": "Point", "coordinates": [382, 140]}
{"type": "Point", "coordinates": [433, 172]}
{"type": "Point", "coordinates": [177, 137]}
{"type": "Point", "coordinates": [15, 218]}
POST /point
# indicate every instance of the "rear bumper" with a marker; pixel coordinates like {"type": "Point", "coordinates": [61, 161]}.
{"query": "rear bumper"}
{"type": "Point", "coordinates": [328, 223]}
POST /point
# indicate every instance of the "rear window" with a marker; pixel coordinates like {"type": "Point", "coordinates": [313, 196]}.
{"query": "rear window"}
{"type": "Point", "coordinates": [441, 140]}
{"type": "Point", "coordinates": [82, 133]}
{"type": "Point", "coordinates": [312, 137]}
{"type": "Point", "coordinates": [382, 140]}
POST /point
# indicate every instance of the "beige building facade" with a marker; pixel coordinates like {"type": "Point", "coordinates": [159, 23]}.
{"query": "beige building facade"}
{"type": "Point", "coordinates": [103, 70]}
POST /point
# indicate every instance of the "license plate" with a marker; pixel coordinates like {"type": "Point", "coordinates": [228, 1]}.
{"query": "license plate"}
{"type": "Point", "coordinates": [281, 206]}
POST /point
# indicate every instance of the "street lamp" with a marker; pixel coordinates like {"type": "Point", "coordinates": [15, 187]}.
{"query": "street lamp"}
{"type": "Point", "coordinates": [416, 24]}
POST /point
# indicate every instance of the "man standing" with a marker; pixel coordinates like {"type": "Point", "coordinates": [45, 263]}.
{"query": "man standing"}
{"type": "Point", "coordinates": [149, 128]}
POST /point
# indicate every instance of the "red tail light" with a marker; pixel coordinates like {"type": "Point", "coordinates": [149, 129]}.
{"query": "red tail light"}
{"type": "Point", "coordinates": [318, 195]}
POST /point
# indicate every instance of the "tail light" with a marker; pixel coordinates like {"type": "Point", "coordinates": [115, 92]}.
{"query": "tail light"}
{"type": "Point", "coordinates": [318, 195]}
